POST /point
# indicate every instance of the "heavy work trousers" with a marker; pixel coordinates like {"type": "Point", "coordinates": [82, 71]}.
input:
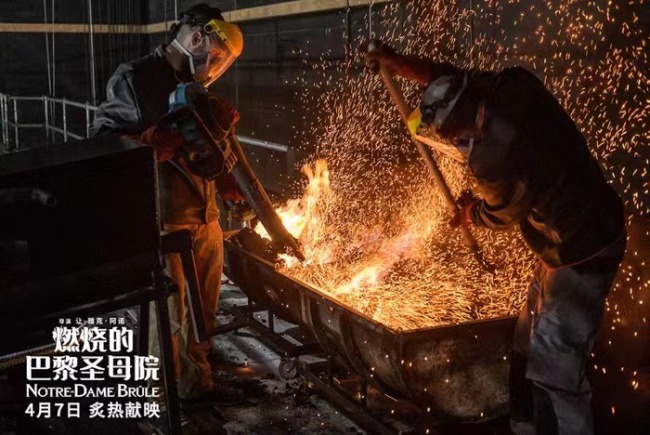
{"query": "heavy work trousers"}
{"type": "Point", "coordinates": [193, 371]}
{"type": "Point", "coordinates": [555, 332]}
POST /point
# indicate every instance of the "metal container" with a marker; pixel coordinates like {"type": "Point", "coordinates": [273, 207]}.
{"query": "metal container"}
{"type": "Point", "coordinates": [453, 371]}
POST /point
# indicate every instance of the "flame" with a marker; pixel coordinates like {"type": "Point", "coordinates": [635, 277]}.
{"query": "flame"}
{"type": "Point", "coordinates": [304, 217]}
{"type": "Point", "coordinates": [377, 264]}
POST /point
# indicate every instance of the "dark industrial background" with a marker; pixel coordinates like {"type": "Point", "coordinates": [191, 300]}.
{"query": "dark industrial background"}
{"type": "Point", "coordinates": [264, 84]}
{"type": "Point", "coordinates": [260, 83]}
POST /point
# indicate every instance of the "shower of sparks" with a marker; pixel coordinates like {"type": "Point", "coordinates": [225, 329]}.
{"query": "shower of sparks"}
{"type": "Point", "coordinates": [373, 226]}
{"type": "Point", "coordinates": [403, 266]}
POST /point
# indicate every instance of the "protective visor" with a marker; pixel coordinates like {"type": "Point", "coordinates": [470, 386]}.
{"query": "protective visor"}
{"type": "Point", "coordinates": [428, 132]}
{"type": "Point", "coordinates": [428, 135]}
{"type": "Point", "coordinates": [226, 44]}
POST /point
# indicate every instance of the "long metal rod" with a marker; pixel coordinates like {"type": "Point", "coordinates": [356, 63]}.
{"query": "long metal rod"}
{"type": "Point", "coordinates": [6, 103]}
{"type": "Point", "coordinates": [404, 110]}
{"type": "Point", "coordinates": [26, 98]}
{"type": "Point", "coordinates": [27, 125]}
{"type": "Point", "coordinates": [87, 110]}
{"type": "Point", "coordinates": [53, 52]}
{"type": "Point", "coordinates": [47, 59]}
{"type": "Point", "coordinates": [3, 119]}
{"type": "Point", "coordinates": [46, 116]}
{"type": "Point", "coordinates": [91, 45]}
{"type": "Point", "coordinates": [16, 123]}
{"type": "Point", "coordinates": [262, 143]}
{"type": "Point", "coordinates": [65, 121]}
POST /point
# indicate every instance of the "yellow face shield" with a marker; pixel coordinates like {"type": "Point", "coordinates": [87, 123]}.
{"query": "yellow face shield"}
{"type": "Point", "coordinates": [228, 33]}
{"type": "Point", "coordinates": [226, 43]}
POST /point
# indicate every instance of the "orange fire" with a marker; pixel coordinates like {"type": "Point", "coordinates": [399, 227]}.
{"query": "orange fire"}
{"type": "Point", "coordinates": [377, 270]}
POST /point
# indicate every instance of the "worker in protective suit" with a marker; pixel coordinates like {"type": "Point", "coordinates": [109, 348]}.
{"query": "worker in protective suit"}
{"type": "Point", "coordinates": [200, 49]}
{"type": "Point", "coordinates": [533, 170]}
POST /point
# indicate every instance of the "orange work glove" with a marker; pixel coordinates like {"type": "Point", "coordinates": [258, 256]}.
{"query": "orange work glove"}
{"type": "Point", "coordinates": [229, 189]}
{"type": "Point", "coordinates": [166, 141]}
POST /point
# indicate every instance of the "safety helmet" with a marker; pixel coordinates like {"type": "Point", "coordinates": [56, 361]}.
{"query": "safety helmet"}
{"type": "Point", "coordinates": [438, 101]}
{"type": "Point", "coordinates": [226, 43]}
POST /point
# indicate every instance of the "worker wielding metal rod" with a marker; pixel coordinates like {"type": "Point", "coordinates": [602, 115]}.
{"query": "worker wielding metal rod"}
{"type": "Point", "coordinates": [405, 111]}
{"type": "Point", "coordinates": [213, 150]}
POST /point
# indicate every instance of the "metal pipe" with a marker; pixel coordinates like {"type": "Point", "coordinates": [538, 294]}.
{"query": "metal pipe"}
{"type": "Point", "coordinates": [3, 118]}
{"type": "Point", "coordinates": [59, 130]}
{"type": "Point", "coordinates": [87, 109]}
{"type": "Point", "coordinates": [67, 102]}
{"type": "Point", "coordinates": [263, 144]}
{"type": "Point", "coordinates": [53, 51]}
{"type": "Point", "coordinates": [5, 126]}
{"type": "Point", "coordinates": [47, 51]}
{"type": "Point", "coordinates": [65, 121]}
{"type": "Point", "coordinates": [26, 98]}
{"type": "Point", "coordinates": [46, 116]}
{"type": "Point", "coordinates": [255, 195]}
{"type": "Point", "coordinates": [30, 125]}
{"type": "Point", "coordinates": [16, 123]}
{"type": "Point", "coordinates": [7, 115]}
{"type": "Point", "coordinates": [93, 89]}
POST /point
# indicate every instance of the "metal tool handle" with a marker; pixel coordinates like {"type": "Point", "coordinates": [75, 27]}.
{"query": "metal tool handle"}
{"type": "Point", "coordinates": [404, 110]}
{"type": "Point", "coordinates": [257, 198]}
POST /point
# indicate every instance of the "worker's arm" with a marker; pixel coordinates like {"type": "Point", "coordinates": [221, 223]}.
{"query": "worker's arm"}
{"type": "Point", "coordinates": [420, 69]}
{"type": "Point", "coordinates": [503, 205]}
{"type": "Point", "coordinates": [120, 113]}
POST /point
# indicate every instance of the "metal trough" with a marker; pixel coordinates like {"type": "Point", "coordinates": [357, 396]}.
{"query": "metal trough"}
{"type": "Point", "coordinates": [457, 371]}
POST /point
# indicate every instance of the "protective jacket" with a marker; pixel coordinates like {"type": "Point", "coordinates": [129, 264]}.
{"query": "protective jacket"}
{"type": "Point", "coordinates": [137, 97]}
{"type": "Point", "coordinates": [534, 169]}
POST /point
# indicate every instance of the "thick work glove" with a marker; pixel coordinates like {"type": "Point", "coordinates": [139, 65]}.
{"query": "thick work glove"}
{"type": "Point", "coordinates": [207, 124]}
{"type": "Point", "coordinates": [378, 54]}
{"type": "Point", "coordinates": [219, 116]}
{"type": "Point", "coordinates": [164, 139]}
{"type": "Point", "coordinates": [465, 202]}
{"type": "Point", "coordinates": [229, 189]}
